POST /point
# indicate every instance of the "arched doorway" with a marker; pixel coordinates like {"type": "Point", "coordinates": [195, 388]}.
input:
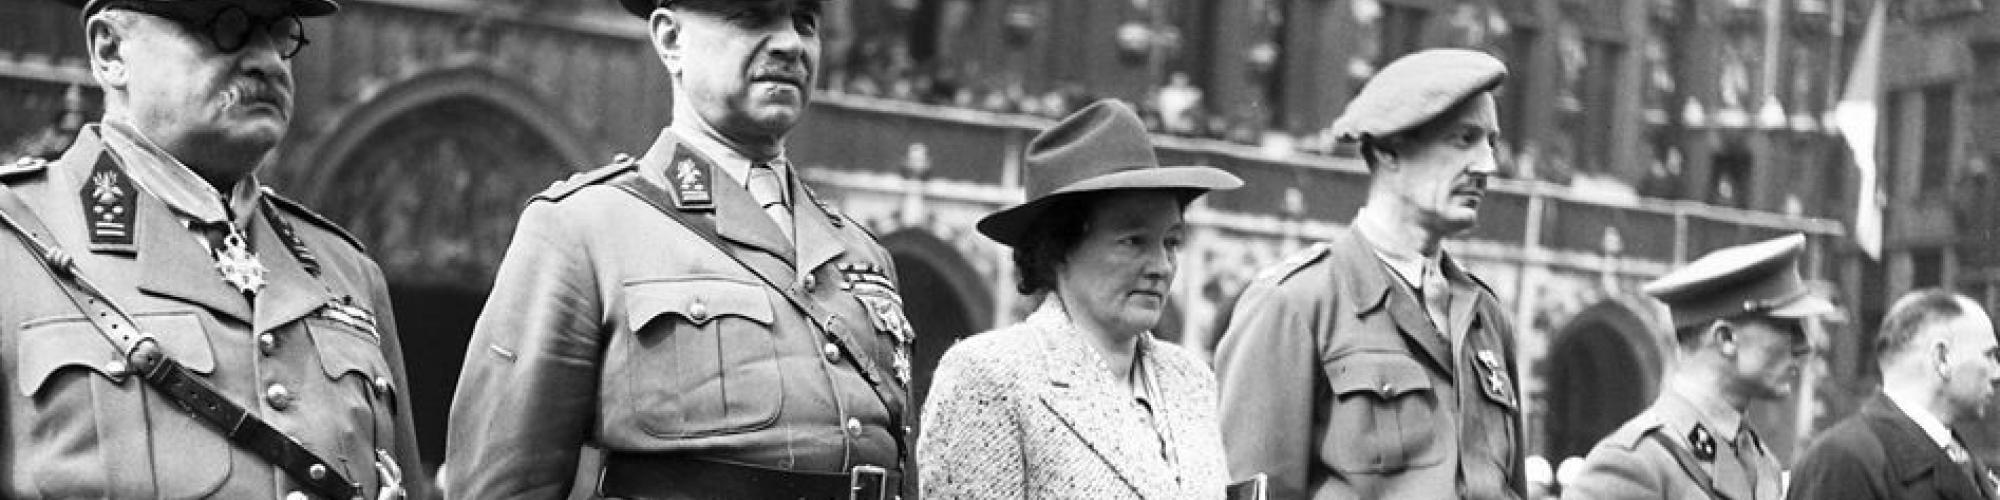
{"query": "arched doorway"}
{"type": "Point", "coordinates": [432, 176]}
{"type": "Point", "coordinates": [1602, 369]}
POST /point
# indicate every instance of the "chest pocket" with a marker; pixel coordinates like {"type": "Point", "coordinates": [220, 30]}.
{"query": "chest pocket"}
{"type": "Point", "coordinates": [93, 418]}
{"type": "Point", "coordinates": [704, 357]}
{"type": "Point", "coordinates": [1387, 403]}
{"type": "Point", "coordinates": [358, 396]}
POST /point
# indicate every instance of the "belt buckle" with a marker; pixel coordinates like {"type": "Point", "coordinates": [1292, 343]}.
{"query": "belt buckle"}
{"type": "Point", "coordinates": [869, 482]}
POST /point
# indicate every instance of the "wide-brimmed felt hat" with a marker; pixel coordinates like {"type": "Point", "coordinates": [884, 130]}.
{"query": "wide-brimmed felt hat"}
{"type": "Point", "coordinates": [1758, 278]}
{"type": "Point", "coordinates": [1102, 147]}
{"type": "Point", "coordinates": [300, 8]}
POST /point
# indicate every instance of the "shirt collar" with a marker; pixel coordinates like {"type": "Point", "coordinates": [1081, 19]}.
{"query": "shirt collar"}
{"type": "Point", "coordinates": [1931, 424]}
{"type": "Point", "coordinates": [1727, 422]}
{"type": "Point", "coordinates": [1409, 265]}
{"type": "Point", "coordinates": [159, 173]}
{"type": "Point", "coordinates": [728, 156]}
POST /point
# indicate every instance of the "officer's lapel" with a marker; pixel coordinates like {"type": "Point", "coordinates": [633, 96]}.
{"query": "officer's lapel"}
{"type": "Point", "coordinates": [173, 263]}
{"type": "Point", "coordinates": [292, 292]}
{"type": "Point", "coordinates": [1379, 290]}
{"type": "Point", "coordinates": [1464, 295]}
{"type": "Point", "coordinates": [817, 241]}
{"type": "Point", "coordinates": [741, 221]}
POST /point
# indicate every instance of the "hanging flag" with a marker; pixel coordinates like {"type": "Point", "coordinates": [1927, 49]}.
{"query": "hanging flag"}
{"type": "Point", "coordinates": [1856, 116]}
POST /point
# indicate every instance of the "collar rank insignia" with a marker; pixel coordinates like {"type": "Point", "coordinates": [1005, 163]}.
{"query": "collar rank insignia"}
{"type": "Point", "coordinates": [238, 265]}
{"type": "Point", "coordinates": [885, 310]}
{"type": "Point", "coordinates": [343, 311]}
{"type": "Point", "coordinates": [1702, 442]}
{"type": "Point", "coordinates": [109, 202]}
{"type": "Point", "coordinates": [690, 177]}
{"type": "Point", "coordinates": [1495, 376]}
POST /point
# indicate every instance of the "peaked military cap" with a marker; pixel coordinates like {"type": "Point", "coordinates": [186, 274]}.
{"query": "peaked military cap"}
{"type": "Point", "coordinates": [1102, 147]}
{"type": "Point", "coordinates": [644, 8]}
{"type": "Point", "coordinates": [1416, 88]}
{"type": "Point", "coordinates": [1758, 278]}
{"type": "Point", "coordinates": [301, 8]}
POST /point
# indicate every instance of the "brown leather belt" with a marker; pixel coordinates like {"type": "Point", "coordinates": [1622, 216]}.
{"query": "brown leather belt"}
{"type": "Point", "coordinates": [654, 476]}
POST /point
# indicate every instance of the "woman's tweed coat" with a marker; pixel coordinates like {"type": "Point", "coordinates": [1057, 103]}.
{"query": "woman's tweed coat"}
{"type": "Point", "coordinates": [1028, 412]}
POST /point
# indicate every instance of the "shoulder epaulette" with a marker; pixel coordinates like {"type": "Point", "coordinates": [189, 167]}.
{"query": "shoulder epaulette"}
{"type": "Point", "coordinates": [315, 218]}
{"type": "Point", "coordinates": [26, 165]}
{"type": "Point", "coordinates": [1633, 432]}
{"type": "Point", "coordinates": [563, 188]}
{"type": "Point", "coordinates": [1294, 262]}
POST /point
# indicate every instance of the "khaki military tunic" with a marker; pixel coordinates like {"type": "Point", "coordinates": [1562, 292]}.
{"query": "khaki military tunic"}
{"type": "Point", "coordinates": [615, 326]}
{"type": "Point", "coordinates": [1632, 464]}
{"type": "Point", "coordinates": [1335, 382]}
{"type": "Point", "coordinates": [75, 424]}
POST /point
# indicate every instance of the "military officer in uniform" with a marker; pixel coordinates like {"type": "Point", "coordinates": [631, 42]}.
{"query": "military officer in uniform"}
{"type": "Point", "coordinates": [696, 313]}
{"type": "Point", "coordinates": [171, 328]}
{"type": "Point", "coordinates": [1738, 317]}
{"type": "Point", "coordinates": [1374, 365]}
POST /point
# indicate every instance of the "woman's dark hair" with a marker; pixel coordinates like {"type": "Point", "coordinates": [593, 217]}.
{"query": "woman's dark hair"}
{"type": "Point", "coordinates": [1058, 231]}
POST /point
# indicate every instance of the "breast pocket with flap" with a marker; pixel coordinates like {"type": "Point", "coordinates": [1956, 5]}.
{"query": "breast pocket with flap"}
{"type": "Point", "coordinates": [1386, 405]}
{"type": "Point", "coordinates": [704, 358]}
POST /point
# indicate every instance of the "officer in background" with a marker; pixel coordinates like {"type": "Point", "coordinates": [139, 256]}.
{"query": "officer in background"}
{"type": "Point", "coordinates": [170, 328]}
{"type": "Point", "coordinates": [1739, 322]}
{"type": "Point", "coordinates": [1373, 365]}
{"type": "Point", "coordinates": [695, 313]}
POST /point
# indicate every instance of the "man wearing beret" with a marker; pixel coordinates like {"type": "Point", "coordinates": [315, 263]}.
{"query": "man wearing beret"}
{"type": "Point", "coordinates": [1738, 316]}
{"type": "Point", "coordinates": [1939, 364]}
{"type": "Point", "coordinates": [695, 313]}
{"type": "Point", "coordinates": [1373, 365]}
{"type": "Point", "coordinates": [171, 328]}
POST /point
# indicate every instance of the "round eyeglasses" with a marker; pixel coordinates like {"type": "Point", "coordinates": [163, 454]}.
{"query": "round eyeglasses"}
{"type": "Point", "coordinates": [228, 26]}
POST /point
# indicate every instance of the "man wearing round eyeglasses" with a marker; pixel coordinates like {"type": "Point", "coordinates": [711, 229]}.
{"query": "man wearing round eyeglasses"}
{"type": "Point", "coordinates": [170, 327]}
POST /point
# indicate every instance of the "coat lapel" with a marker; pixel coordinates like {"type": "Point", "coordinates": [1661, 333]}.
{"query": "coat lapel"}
{"type": "Point", "coordinates": [1372, 281]}
{"type": "Point", "coordinates": [291, 292]}
{"type": "Point", "coordinates": [739, 220]}
{"type": "Point", "coordinates": [1912, 456]}
{"type": "Point", "coordinates": [174, 264]}
{"type": "Point", "coordinates": [1094, 410]}
{"type": "Point", "coordinates": [817, 242]}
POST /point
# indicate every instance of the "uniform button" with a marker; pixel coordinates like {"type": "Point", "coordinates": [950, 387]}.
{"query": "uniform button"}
{"type": "Point", "coordinates": [296, 496]}
{"type": "Point", "coordinates": [317, 471]}
{"type": "Point", "coordinates": [832, 327]}
{"type": "Point", "coordinates": [382, 386]}
{"type": "Point", "coordinates": [1387, 387]}
{"type": "Point", "coordinates": [853, 426]}
{"type": "Point", "coordinates": [831, 351]}
{"type": "Point", "coordinates": [116, 368]}
{"type": "Point", "coordinates": [811, 282]}
{"type": "Point", "coordinates": [698, 311]}
{"type": "Point", "coordinates": [267, 344]}
{"type": "Point", "coordinates": [278, 396]}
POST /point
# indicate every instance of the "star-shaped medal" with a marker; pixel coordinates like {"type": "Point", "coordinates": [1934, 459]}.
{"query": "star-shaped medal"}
{"type": "Point", "coordinates": [239, 267]}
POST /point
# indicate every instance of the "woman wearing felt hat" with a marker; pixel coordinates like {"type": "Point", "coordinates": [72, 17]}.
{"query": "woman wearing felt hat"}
{"type": "Point", "coordinates": [1079, 400]}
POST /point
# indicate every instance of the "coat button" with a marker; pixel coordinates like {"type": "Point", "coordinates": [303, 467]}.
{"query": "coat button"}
{"type": "Point", "coordinates": [698, 311]}
{"type": "Point", "coordinates": [317, 471]}
{"type": "Point", "coordinates": [853, 426]}
{"type": "Point", "coordinates": [296, 496]}
{"type": "Point", "coordinates": [267, 343]}
{"type": "Point", "coordinates": [278, 396]}
{"type": "Point", "coordinates": [382, 386]}
{"type": "Point", "coordinates": [812, 282]}
{"type": "Point", "coordinates": [832, 352]}
{"type": "Point", "coordinates": [116, 368]}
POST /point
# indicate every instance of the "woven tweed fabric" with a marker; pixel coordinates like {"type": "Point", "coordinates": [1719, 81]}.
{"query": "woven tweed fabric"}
{"type": "Point", "coordinates": [1027, 411]}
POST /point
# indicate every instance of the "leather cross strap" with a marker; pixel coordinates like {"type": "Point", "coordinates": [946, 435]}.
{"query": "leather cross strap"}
{"type": "Point", "coordinates": [143, 355]}
{"type": "Point", "coordinates": [1687, 463]}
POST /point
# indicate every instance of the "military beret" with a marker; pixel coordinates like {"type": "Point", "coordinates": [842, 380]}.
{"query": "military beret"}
{"type": "Point", "coordinates": [301, 8]}
{"type": "Point", "coordinates": [1758, 278]}
{"type": "Point", "coordinates": [1416, 88]}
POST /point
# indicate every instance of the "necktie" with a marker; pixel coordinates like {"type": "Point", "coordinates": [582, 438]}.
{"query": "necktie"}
{"type": "Point", "coordinates": [769, 193]}
{"type": "Point", "coordinates": [1437, 298]}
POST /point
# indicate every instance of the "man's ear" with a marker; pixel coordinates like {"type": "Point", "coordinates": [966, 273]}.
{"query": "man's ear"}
{"type": "Point", "coordinates": [1724, 336]}
{"type": "Point", "coordinates": [1941, 357]}
{"type": "Point", "coordinates": [666, 30]}
{"type": "Point", "coordinates": [105, 35]}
